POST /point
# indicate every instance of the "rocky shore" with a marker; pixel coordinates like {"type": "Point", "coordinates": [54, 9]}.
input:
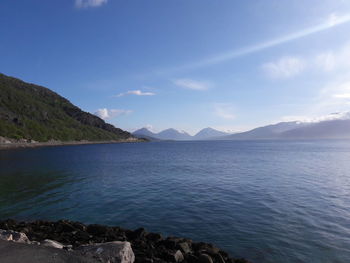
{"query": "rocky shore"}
{"type": "Point", "coordinates": [6, 143]}
{"type": "Point", "coordinates": [91, 240]}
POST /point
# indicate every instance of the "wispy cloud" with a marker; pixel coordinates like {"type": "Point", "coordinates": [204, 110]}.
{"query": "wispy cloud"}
{"type": "Point", "coordinates": [327, 61]}
{"type": "Point", "coordinates": [224, 111]}
{"type": "Point", "coordinates": [106, 114]}
{"type": "Point", "coordinates": [332, 21]}
{"type": "Point", "coordinates": [332, 60]}
{"type": "Point", "coordinates": [89, 3]}
{"type": "Point", "coordinates": [135, 92]}
{"type": "Point", "coordinates": [285, 67]}
{"type": "Point", "coordinates": [191, 84]}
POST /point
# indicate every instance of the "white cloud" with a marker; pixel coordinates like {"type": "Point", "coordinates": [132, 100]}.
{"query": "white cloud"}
{"type": "Point", "coordinates": [191, 84]}
{"type": "Point", "coordinates": [333, 60]}
{"type": "Point", "coordinates": [342, 96]}
{"type": "Point", "coordinates": [327, 61]}
{"type": "Point", "coordinates": [224, 111]}
{"type": "Point", "coordinates": [106, 114]}
{"type": "Point", "coordinates": [135, 92]}
{"type": "Point", "coordinates": [89, 3]}
{"type": "Point", "coordinates": [285, 67]}
{"type": "Point", "coordinates": [332, 98]}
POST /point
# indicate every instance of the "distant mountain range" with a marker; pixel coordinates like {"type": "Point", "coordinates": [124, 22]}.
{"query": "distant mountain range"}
{"type": "Point", "coordinates": [175, 135]}
{"type": "Point", "coordinates": [327, 129]}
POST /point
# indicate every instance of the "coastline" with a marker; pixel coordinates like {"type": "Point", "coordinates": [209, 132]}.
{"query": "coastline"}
{"type": "Point", "coordinates": [6, 144]}
{"type": "Point", "coordinates": [146, 246]}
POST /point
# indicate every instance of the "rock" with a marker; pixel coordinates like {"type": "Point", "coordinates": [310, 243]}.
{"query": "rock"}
{"type": "Point", "coordinates": [171, 256]}
{"type": "Point", "coordinates": [218, 258]}
{"type": "Point", "coordinates": [204, 258]}
{"type": "Point", "coordinates": [169, 243]}
{"type": "Point", "coordinates": [79, 226]}
{"type": "Point", "coordinates": [155, 237]}
{"type": "Point", "coordinates": [13, 252]}
{"type": "Point", "coordinates": [51, 243]}
{"type": "Point", "coordinates": [5, 235]}
{"type": "Point", "coordinates": [4, 140]}
{"type": "Point", "coordinates": [178, 256]}
{"type": "Point", "coordinates": [111, 252]}
{"type": "Point", "coordinates": [191, 258]}
{"type": "Point", "coordinates": [97, 229]}
{"type": "Point", "coordinates": [20, 237]}
{"type": "Point", "coordinates": [137, 234]}
{"type": "Point", "coordinates": [184, 247]}
{"type": "Point", "coordinates": [82, 236]}
{"type": "Point", "coordinates": [205, 248]}
{"type": "Point", "coordinates": [146, 247]}
{"type": "Point", "coordinates": [66, 226]}
{"type": "Point", "coordinates": [9, 235]}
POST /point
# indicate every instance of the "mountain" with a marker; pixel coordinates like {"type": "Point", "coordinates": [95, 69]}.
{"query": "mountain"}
{"type": "Point", "coordinates": [266, 132]}
{"type": "Point", "coordinates": [33, 112]}
{"type": "Point", "coordinates": [330, 129]}
{"type": "Point", "coordinates": [175, 135]}
{"type": "Point", "coordinates": [327, 129]}
{"type": "Point", "coordinates": [168, 134]}
{"type": "Point", "coordinates": [209, 133]}
{"type": "Point", "coordinates": [172, 134]}
{"type": "Point", "coordinates": [146, 134]}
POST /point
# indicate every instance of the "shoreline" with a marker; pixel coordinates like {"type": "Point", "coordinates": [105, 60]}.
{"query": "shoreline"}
{"type": "Point", "coordinates": [146, 246]}
{"type": "Point", "coordinates": [16, 145]}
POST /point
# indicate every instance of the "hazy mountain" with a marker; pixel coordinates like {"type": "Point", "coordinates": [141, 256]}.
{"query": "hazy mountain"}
{"type": "Point", "coordinates": [209, 133]}
{"type": "Point", "coordinates": [172, 134]}
{"type": "Point", "coordinates": [266, 132]}
{"type": "Point", "coordinates": [175, 135]}
{"type": "Point", "coordinates": [330, 129]}
{"type": "Point", "coordinates": [33, 112]}
{"type": "Point", "coordinates": [146, 134]}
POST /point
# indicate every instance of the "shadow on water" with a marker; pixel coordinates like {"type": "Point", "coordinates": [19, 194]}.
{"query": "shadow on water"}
{"type": "Point", "coordinates": [22, 194]}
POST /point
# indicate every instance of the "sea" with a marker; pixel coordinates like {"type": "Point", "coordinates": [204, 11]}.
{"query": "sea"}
{"type": "Point", "coordinates": [266, 201]}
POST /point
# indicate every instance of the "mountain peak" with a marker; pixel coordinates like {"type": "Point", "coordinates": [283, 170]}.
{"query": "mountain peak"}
{"type": "Point", "coordinates": [208, 133]}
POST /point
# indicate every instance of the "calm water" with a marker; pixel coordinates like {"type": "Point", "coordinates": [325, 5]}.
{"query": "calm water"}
{"type": "Point", "coordinates": [266, 201]}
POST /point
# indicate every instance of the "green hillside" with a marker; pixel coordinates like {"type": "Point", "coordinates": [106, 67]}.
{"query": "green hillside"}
{"type": "Point", "coordinates": [33, 112]}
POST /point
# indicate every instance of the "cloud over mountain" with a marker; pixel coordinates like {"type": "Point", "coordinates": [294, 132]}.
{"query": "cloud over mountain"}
{"type": "Point", "coordinates": [106, 114]}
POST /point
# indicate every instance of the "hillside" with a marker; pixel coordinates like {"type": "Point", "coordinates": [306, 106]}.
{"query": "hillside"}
{"type": "Point", "coordinates": [328, 129]}
{"type": "Point", "coordinates": [272, 131]}
{"type": "Point", "coordinates": [33, 112]}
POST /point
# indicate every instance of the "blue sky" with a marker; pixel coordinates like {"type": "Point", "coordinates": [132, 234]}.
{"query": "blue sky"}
{"type": "Point", "coordinates": [186, 64]}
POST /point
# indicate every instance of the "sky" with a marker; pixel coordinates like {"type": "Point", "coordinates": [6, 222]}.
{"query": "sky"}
{"type": "Point", "coordinates": [185, 64]}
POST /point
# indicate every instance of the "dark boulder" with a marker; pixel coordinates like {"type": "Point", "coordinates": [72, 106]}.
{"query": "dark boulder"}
{"type": "Point", "coordinates": [204, 258]}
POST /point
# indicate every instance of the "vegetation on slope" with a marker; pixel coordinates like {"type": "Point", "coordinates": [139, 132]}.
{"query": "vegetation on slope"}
{"type": "Point", "coordinates": [33, 112]}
